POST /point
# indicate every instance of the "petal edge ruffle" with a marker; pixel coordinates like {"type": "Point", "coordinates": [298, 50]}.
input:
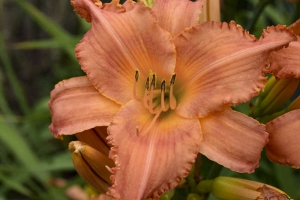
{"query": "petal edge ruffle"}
{"type": "Point", "coordinates": [222, 64]}
{"type": "Point", "coordinates": [148, 163]}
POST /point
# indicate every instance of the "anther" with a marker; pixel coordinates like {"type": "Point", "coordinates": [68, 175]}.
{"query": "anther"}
{"type": "Point", "coordinates": [153, 81]}
{"type": "Point", "coordinates": [162, 97]}
{"type": "Point", "coordinates": [147, 86]}
{"type": "Point", "coordinates": [137, 74]}
{"type": "Point", "coordinates": [172, 81]}
{"type": "Point", "coordinates": [172, 99]}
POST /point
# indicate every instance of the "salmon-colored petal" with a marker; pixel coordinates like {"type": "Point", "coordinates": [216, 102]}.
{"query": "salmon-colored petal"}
{"type": "Point", "coordinates": [284, 137]}
{"type": "Point", "coordinates": [77, 106]}
{"type": "Point", "coordinates": [285, 63]}
{"type": "Point", "coordinates": [176, 15]}
{"type": "Point", "coordinates": [220, 63]}
{"type": "Point", "coordinates": [233, 140]}
{"type": "Point", "coordinates": [151, 155]}
{"type": "Point", "coordinates": [118, 44]}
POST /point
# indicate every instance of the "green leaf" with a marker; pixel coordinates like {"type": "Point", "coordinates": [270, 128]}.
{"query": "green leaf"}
{"type": "Point", "coordinates": [14, 185]}
{"type": "Point", "coordinates": [61, 36]}
{"type": "Point", "coordinates": [20, 149]}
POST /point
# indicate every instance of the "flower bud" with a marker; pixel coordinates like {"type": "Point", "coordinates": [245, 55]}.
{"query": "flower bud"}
{"type": "Point", "coordinates": [228, 188]}
{"type": "Point", "coordinates": [91, 165]}
{"type": "Point", "coordinates": [274, 97]}
{"type": "Point", "coordinates": [96, 138]}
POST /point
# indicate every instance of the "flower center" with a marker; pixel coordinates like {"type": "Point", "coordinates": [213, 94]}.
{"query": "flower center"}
{"type": "Point", "coordinates": [156, 100]}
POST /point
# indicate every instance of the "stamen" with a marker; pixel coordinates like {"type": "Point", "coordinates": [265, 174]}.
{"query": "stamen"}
{"type": "Point", "coordinates": [171, 96]}
{"type": "Point", "coordinates": [136, 76]}
{"type": "Point", "coordinates": [147, 86]}
{"type": "Point", "coordinates": [162, 97]}
{"type": "Point", "coordinates": [153, 81]}
{"type": "Point", "coordinates": [145, 99]}
{"type": "Point", "coordinates": [152, 87]}
{"type": "Point", "coordinates": [172, 81]}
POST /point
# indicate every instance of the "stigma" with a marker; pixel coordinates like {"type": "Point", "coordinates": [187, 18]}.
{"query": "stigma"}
{"type": "Point", "coordinates": [156, 99]}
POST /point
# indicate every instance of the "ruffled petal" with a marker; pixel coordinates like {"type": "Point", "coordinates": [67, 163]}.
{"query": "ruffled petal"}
{"type": "Point", "coordinates": [151, 154]}
{"type": "Point", "coordinates": [285, 63]}
{"type": "Point", "coordinates": [176, 15]}
{"type": "Point", "coordinates": [233, 140]}
{"type": "Point", "coordinates": [118, 44]}
{"type": "Point", "coordinates": [284, 137]}
{"type": "Point", "coordinates": [77, 106]}
{"type": "Point", "coordinates": [220, 63]}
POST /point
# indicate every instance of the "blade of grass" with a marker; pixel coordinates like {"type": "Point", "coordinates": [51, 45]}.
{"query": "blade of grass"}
{"type": "Point", "coordinates": [3, 103]}
{"type": "Point", "coordinates": [41, 44]}
{"type": "Point", "coordinates": [16, 86]}
{"type": "Point", "coordinates": [14, 185]}
{"type": "Point", "coordinates": [286, 179]}
{"type": "Point", "coordinates": [21, 150]}
{"type": "Point", "coordinates": [66, 40]}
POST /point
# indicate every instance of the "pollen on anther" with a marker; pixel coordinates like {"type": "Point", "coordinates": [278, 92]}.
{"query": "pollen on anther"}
{"type": "Point", "coordinates": [172, 81]}
{"type": "Point", "coordinates": [136, 76]}
{"type": "Point", "coordinates": [153, 81]}
{"type": "Point", "coordinates": [147, 86]}
{"type": "Point", "coordinates": [163, 86]}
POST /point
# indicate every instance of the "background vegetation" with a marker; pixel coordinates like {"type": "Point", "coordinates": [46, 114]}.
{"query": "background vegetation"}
{"type": "Point", "coordinates": [37, 38]}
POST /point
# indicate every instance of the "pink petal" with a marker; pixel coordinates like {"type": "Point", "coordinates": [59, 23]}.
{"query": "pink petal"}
{"type": "Point", "coordinates": [285, 63]}
{"type": "Point", "coordinates": [176, 15]}
{"type": "Point", "coordinates": [233, 140]}
{"type": "Point", "coordinates": [118, 44]}
{"type": "Point", "coordinates": [220, 63]}
{"type": "Point", "coordinates": [284, 137]}
{"type": "Point", "coordinates": [148, 163]}
{"type": "Point", "coordinates": [77, 106]}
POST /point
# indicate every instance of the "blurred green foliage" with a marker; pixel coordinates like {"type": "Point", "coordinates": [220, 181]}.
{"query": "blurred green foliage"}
{"type": "Point", "coordinates": [37, 41]}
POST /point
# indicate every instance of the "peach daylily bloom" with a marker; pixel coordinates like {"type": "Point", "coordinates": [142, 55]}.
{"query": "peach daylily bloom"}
{"type": "Point", "coordinates": [283, 146]}
{"type": "Point", "coordinates": [163, 84]}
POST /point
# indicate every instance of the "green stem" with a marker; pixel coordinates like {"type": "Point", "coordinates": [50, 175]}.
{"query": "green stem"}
{"type": "Point", "coordinates": [261, 6]}
{"type": "Point", "coordinates": [214, 171]}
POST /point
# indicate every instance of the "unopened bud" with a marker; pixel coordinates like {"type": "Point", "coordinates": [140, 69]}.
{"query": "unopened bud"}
{"type": "Point", "coordinates": [228, 188]}
{"type": "Point", "coordinates": [275, 96]}
{"type": "Point", "coordinates": [91, 165]}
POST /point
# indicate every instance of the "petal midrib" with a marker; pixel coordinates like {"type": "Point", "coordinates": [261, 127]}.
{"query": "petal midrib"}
{"type": "Point", "coordinates": [148, 164]}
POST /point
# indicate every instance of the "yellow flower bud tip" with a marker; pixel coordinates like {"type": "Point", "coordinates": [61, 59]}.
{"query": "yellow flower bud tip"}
{"type": "Point", "coordinates": [228, 188]}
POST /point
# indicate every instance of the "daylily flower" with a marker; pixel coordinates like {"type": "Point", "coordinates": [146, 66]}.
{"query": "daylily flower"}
{"type": "Point", "coordinates": [164, 84]}
{"type": "Point", "coordinates": [283, 146]}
